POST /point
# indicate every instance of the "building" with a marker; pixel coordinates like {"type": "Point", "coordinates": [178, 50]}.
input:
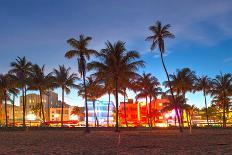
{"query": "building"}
{"type": "Point", "coordinates": [138, 113]}
{"type": "Point", "coordinates": [52, 107]}
{"type": "Point", "coordinates": [55, 112]}
{"type": "Point", "coordinates": [101, 109]}
{"type": "Point", "coordinates": [17, 113]}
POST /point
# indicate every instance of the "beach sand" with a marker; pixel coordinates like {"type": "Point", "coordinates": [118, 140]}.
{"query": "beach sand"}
{"type": "Point", "coordinates": [201, 141]}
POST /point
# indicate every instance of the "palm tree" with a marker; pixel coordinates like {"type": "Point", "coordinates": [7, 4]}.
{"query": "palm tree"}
{"type": "Point", "coordinates": [147, 86]}
{"type": "Point", "coordinates": [203, 84]}
{"type": "Point", "coordinates": [83, 54]}
{"type": "Point", "coordinates": [160, 33]}
{"type": "Point", "coordinates": [65, 80]}
{"type": "Point", "coordinates": [114, 62]}
{"type": "Point", "coordinates": [182, 82]}
{"type": "Point", "coordinates": [21, 69]}
{"type": "Point", "coordinates": [40, 81]}
{"type": "Point", "coordinates": [170, 105]}
{"type": "Point", "coordinates": [6, 87]}
{"type": "Point", "coordinates": [221, 92]}
{"type": "Point", "coordinates": [14, 93]}
{"type": "Point", "coordinates": [95, 91]}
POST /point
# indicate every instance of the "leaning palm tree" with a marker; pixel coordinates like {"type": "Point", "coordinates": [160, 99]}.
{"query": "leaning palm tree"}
{"type": "Point", "coordinates": [21, 69]}
{"type": "Point", "coordinates": [114, 62]}
{"type": "Point", "coordinates": [160, 33]}
{"type": "Point", "coordinates": [65, 80]}
{"type": "Point", "coordinates": [83, 54]}
{"type": "Point", "coordinates": [203, 84]}
{"type": "Point", "coordinates": [40, 81]}
{"type": "Point", "coordinates": [221, 93]}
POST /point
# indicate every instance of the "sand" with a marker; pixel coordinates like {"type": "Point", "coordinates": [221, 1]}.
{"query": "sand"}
{"type": "Point", "coordinates": [207, 141]}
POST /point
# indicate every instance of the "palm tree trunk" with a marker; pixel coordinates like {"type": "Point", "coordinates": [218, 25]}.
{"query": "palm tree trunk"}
{"type": "Point", "coordinates": [224, 115]}
{"type": "Point", "coordinates": [108, 114]}
{"type": "Point", "coordinates": [5, 97]}
{"type": "Point", "coordinates": [23, 95]}
{"type": "Point", "coordinates": [25, 100]}
{"type": "Point", "coordinates": [41, 105]}
{"type": "Point", "coordinates": [124, 102]}
{"type": "Point", "coordinates": [169, 84]}
{"type": "Point", "coordinates": [150, 115]}
{"type": "Point", "coordinates": [13, 110]}
{"type": "Point", "coordinates": [116, 100]}
{"type": "Point", "coordinates": [86, 107]}
{"type": "Point", "coordinates": [95, 115]}
{"type": "Point", "coordinates": [49, 106]}
{"type": "Point", "coordinates": [206, 108]}
{"type": "Point", "coordinates": [147, 113]}
{"type": "Point", "coordinates": [62, 108]}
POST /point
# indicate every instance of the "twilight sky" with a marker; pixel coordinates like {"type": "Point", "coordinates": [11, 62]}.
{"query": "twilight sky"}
{"type": "Point", "coordinates": [39, 30]}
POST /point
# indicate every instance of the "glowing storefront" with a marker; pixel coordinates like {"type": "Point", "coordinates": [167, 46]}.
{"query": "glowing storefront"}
{"type": "Point", "coordinates": [101, 109]}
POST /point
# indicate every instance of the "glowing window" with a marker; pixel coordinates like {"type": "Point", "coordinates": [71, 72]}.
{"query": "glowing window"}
{"type": "Point", "coordinates": [160, 104]}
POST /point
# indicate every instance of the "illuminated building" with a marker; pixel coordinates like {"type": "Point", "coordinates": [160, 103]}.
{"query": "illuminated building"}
{"type": "Point", "coordinates": [18, 114]}
{"type": "Point", "coordinates": [101, 109]}
{"type": "Point", "coordinates": [138, 113]}
{"type": "Point", "coordinates": [33, 100]}
{"type": "Point", "coordinates": [55, 112]}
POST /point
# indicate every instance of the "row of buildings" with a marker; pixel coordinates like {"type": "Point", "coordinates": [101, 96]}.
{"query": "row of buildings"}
{"type": "Point", "coordinates": [52, 111]}
{"type": "Point", "coordinates": [130, 113]}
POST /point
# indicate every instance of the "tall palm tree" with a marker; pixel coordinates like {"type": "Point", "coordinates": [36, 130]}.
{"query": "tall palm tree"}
{"type": "Point", "coordinates": [40, 81]}
{"type": "Point", "coordinates": [83, 54]}
{"type": "Point", "coordinates": [95, 91]}
{"type": "Point", "coordinates": [114, 62]}
{"type": "Point", "coordinates": [203, 84]}
{"type": "Point", "coordinates": [160, 33]}
{"type": "Point", "coordinates": [21, 69]}
{"type": "Point", "coordinates": [65, 80]}
{"type": "Point", "coordinates": [221, 92]}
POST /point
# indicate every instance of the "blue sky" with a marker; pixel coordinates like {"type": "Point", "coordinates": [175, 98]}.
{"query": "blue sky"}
{"type": "Point", "coordinates": [39, 30]}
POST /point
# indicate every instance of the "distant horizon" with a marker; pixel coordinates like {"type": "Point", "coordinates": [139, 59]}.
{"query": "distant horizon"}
{"type": "Point", "coordinates": [40, 30]}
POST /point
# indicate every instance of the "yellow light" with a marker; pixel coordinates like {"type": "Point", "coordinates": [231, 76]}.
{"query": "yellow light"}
{"type": "Point", "coordinates": [160, 104]}
{"type": "Point", "coordinates": [31, 117]}
{"type": "Point", "coordinates": [73, 117]}
{"type": "Point", "coordinates": [166, 116]}
{"type": "Point", "coordinates": [56, 115]}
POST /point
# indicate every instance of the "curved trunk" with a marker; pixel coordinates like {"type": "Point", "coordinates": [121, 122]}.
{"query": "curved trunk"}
{"type": "Point", "coordinates": [108, 114]}
{"type": "Point", "coordinates": [169, 84]}
{"type": "Point", "coordinates": [62, 108]}
{"type": "Point", "coordinates": [124, 103]}
{"type": "Point", "coordinates": [86, 106]}
{"type": "Point", "coordinates": [5, 96]}
{"type": "Point", "coordinates": [41, 105]}
{"type": "Point", "coordinates": [116, 100]}
{"type": "Point", "coordinates": [206, 108]}
{"type": "Point", "coordinates": [13, 110]}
